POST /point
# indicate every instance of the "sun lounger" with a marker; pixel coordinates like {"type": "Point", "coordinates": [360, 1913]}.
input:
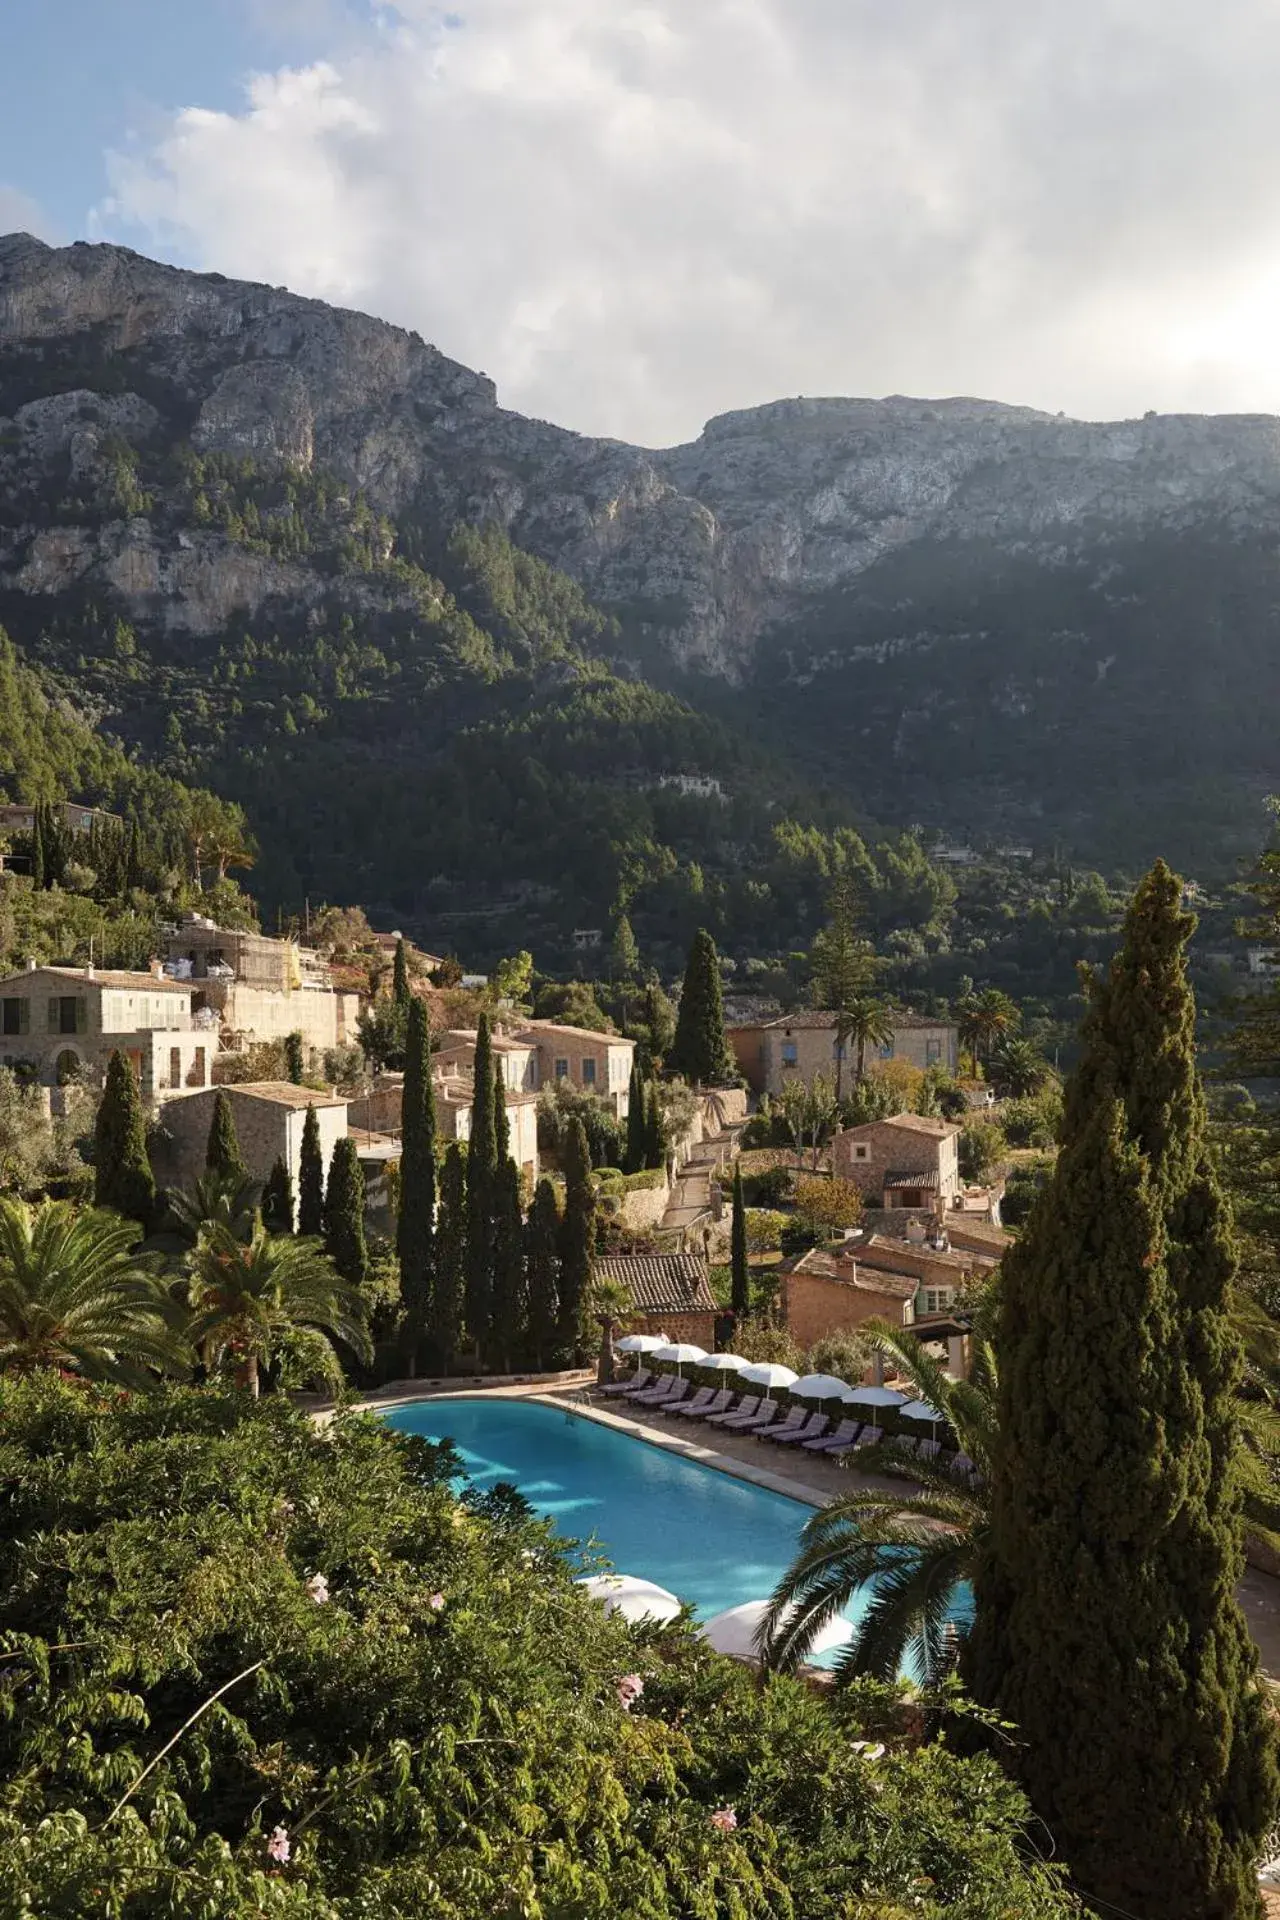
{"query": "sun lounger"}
{"type": "Point", "coordinates": [722, 1400]}
{"type": "Point", "coordinates": [845, 1435]}
{"type": "Point", "coordinates": [928, 1449]}
{"type": "Point", "coordinates": [869, 1437]}
{"type": "Point", "coordinates": [766, 1412]}
{"type": "Point", "coordinates": [812, 1429]}
{"type": "Point", "coordinates": [746, 1409]}
{"type": "Point", "coordinates": [794, 1421]}
{"type": "Point", "coordinates": [668, 1389]}
{"type": "Point", "coordinates": [700, 1402]}
{"type": "Point", "coordinates": [643, 1378]}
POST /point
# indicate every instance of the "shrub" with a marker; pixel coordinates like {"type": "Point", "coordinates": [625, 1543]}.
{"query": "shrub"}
{"type": "Point", "coordinates": [842, 1353]}
{"type": "Point", "coordinates": [1033, 1122]}
{"type": "Point", "coordinates": [982, 1147]}
{"type": "Point", "coordinates": [1024, 1183]}
{"type": "Point", "coordinates": [768, 1187]}
{"type": "Point", "coordinates": [827, 1203]}
{"type": "Point", "coordinates": [761, 1340]}
{"type": "Point", "coordinates": [764, 1229]}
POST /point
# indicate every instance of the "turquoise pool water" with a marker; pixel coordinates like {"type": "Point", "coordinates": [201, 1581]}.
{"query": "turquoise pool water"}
{"type": "Point", "coordinates": [712, 1540]}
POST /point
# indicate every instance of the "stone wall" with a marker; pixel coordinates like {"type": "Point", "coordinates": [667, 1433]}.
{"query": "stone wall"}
{"type": "Point", "coordinates": [816, 1306]}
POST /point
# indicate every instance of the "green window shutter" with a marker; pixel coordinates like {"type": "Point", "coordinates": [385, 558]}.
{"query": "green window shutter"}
{"type": "Point", "coordinates": [55, 1013]}
{"type": "Point", "coordinates": [24, 1016]}
{"type": "Point", "coordinates": [82, 1014]}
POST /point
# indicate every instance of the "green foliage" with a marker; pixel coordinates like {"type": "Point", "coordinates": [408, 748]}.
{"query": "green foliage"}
{"type": "Point", "coordinates": [222, 1153]}
{"type": "Point", "coordinates": [344, 1198]}
{"type": "Point", "coordinates": [981, 1149]}
{"type": "Point", "coordinates": [123, 1178]}
{"type": "Point", "coordinates": [699, 1051]}
{"type": "Point", "coordinates": [507, 1338]}
{"type": "Point", "coordinates": [542, 1273]}
{"type": "Point", "coordinates": [400, 992]}
{"type": "Point", "coordinates": [295, 1058]}
{"type": "Point", "coordinates": [740, 1289]}
{"type": "Point", "coordinates": [39, 1153]}
{"type": "Point", "coordinates": [482, 1167]}
{"type": "Point", "coordinates": [448, 1280]}
{"type": "Point", "coordinates": [311, 1179]}
{"type": "Point", "coordinates": [577, 1240]}
{"type": "Point", "coordinates": [277, 1200]}
{"type": "Point", "coordinates": [1034, 1121]}
{"type": "Point", "coordinates": [249, 1301]}
{"type": "Point", "coordinates": [1113, 1477]}
{"type": "Point", "coordinates": [415, 1215]}
{"type": "Point", "coordinates": [414, 1693]}
{"type": "Point", "coordinates": [560, 1106]}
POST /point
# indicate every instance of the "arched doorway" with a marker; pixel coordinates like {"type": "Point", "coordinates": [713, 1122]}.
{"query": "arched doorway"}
{"type": "Point", "coordinates": [67, 1066]}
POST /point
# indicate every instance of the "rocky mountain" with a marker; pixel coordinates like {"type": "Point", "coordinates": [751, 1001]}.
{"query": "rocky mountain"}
{"type": "Point", "coordinates": [981, 617]}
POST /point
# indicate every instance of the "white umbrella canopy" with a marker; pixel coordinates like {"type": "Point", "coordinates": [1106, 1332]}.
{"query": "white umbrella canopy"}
{"type": "Point", "coordinates": [724, 1362]}
{"type": "Point", "coordinates": [820, 1386]}
{"type": "Point", "coordinates": [876, 1397]}
{"type": "Point", "coordinates": [640, 1343]}
{"type": "Point", "coordinates": [920, 1410]}
{"type": "Point", "coordinates": [632, 1597]}
{"type": "Point", "coordinates": [768, 1373]}
{"type": "Point", "coordinates": [734, 1631]}
{"type": "Point", "coordinates": [682, 1352]}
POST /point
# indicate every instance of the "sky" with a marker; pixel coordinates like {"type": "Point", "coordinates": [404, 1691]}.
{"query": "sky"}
{"type": "Point", "coordinates": [635, 214]}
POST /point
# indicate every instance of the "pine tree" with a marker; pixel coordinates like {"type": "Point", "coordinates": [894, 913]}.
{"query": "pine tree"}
{"type": "Point", "coordinates": [624, 954]}
{"type": "Point", "coordinates": [740, 1298]}
{"type": "Point", "coordinates": [481, 1164]}
{"type": "Point", "coordinates": [508, 1332]}
{"type": "Point", "coordinates": [400, 978]}
{"type": "Point", "coordinates": [577, 1238]}
{"type": "Point", "coordinates": [637, 1149]}
{"type": "Point", "coordinates": [311, 1179]}
{"type": "Point", "coordinates": [448, 1291]}
{"type": "Point", "coordinates": [699, 1050]}
{"type": "Point", "coordinates": [655, 1152]}
{"type": "Point", "coordinates": [542, 1274]}
{"type": "Point", "coordinates": [344, 1213]}
{"type": "Point", "coordinates": [222, 1154]}
{"type": "Point", "coordinates": [1107, 1627]}
{"type": "Point", "coordinates": [294, 1059]}
{"type": "Point", "coordinates": [277, 1200]}
{"type": "Point", "coordinates": [122, 1179]}
{"type": "Point", "coordinates": [415, 1222]}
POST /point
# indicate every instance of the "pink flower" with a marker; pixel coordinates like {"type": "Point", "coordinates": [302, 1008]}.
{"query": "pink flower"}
{"type": "Point", "coordinates": [318, 1588]}
{"type": "Point", "coordinates": [278, 1846]}
{"type": "Point", "coordinates": [724, 1820]}
{"type": "Point", "coordinates": [630, 1687]}
{"type": "Point", "coordinates": [436, 1602]}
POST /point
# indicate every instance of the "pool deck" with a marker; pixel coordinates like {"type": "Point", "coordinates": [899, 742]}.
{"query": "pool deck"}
{"type": "Point", "coordinates": [808, 1478]}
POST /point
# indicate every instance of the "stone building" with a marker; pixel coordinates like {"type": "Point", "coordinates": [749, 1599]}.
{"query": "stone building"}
{"type": "Point", "coordinates": [592, 1062]}
{"type": "Point", "coordinates": [260, 989]}
{"type": "Point", "coordinates": [517, 1058]}
{"type": "Point", "coordinates": [59, 1022]}
{"type": "Point", "coordinates": [671, 1294]}
{"type": "Point", "coordinates": [270, 1116]}
{"type": "Point", "coordinates": [454, 1094]}
{"type": "Point", "coordinates": [910, 1160]}
{"type": "Point", "coordinates": [798, 1046]}
{"type": "Point", "coordinates": [827, 1290]}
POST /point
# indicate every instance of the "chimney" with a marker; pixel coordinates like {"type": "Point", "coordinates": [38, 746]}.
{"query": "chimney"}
{"type": "Point", "coordinates": [157, 970]}
{"type": "Point", "coordinates": [31, 963]}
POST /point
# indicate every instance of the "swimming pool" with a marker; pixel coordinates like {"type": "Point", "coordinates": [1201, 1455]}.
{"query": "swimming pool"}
{"type": "Point", "coordinates": [713, 1540]}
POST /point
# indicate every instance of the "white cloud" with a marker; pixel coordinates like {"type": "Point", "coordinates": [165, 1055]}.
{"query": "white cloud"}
{"type": "Point", "coordinates": [19, 213]}
{"type": "Point", "coordinates": [636, 213]}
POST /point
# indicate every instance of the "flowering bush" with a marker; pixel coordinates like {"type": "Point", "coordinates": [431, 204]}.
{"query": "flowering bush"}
{"type": "Point", "coordinates": [188, 1735]}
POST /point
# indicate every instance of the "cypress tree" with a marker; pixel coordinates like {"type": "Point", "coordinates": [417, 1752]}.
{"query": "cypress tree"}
{"type": "Point", "coordinates": [277, 1200]}
{"type": "Point", "coordinates": [38, 872]}
{"type": "Point", "coordinates": [577, 1236]}
{"type": "Point", "coordinates": [699, 1050]}
{"type": "Point", "coordinates": [507, 1341]}
{"type": "Point", "coordinates": [655, 1143]}
{"type": "Point", "coordinates": [344, 1213]}
{"type": "Point", "coordinates": [122, 1176]}
{"type": "Point", "coordinates": [1107, 1627]}
{"type": "Point", "coordinates": [294, 1059]}
{"type": "Point", "coordinates": [501, 1126]}
{"type": "Point", "coordinates": [481, 1163]}
{"type": "Point", "coordinates": [542, 1273]}
{"type": "Point", "coordinates": [400, 979]}
{"type": "Point", "coordinates": [637, 1153]}
{"type": "Point", "coordinates": [311, 1179]}
{"type": "Point", "coordinates": [448, 1290]}
{"type": "Point", "coordinates": [415, 1221]}
{"type": "Point", "coordinates": [222, 1154]}
{"type": "Point", "coordinates": [740, 1298]}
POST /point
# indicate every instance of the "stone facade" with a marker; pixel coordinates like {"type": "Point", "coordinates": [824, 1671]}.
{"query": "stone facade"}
{"type": "Point", "coordinates": [829, 1292]}
{"type": "Point", "coordinates": [260, 989]}
{"type": "Point", "coordinates": [518, 1058]}
{"type": "Point", "coordinates": [671, 1294]}
{"type": "Point", "coordinates": [798, 1046]}
{"type": "Point", "coordinates": [592, 1062]}
{"type": "Point", "coordinates": [64, 1021]}
{"type": "Point", "coordinates": [907, 1161]}
{"type": "Point", "coordinates": [269, 1115]}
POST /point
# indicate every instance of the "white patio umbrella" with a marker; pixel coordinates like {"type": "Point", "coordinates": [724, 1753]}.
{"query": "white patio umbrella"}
{"type": "Point", "coordinates": [821, 1386]}
{"type": "Point", "coordinates": [724, 1362]}
{"type": "Point", "coordinates": [876, 1397]}
{"type": "Point", "coordinates": [734, 1631]}
{"type": "Point", "coordinates": [769, 1375]}
{"type": "Point", "coordinates": [632, 1597]}
{"type": "Point", "coordinates": [682, 1352]}
{"type": "Point", "coordinates": [920, 1410]}
{"type": "Point", "coordinates": [640, 1343]}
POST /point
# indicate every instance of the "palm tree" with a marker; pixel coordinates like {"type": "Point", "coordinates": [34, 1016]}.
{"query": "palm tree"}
{"type": "Point", "coordinates": [1018, 1066]}
{"type": "Point", "coordinates": [610, 1303]}
{"type": "Point", "coordinates": [984, 1018]}
{"type": "Point", "coordinates": [217, 1199]}
{"type": "Point", "coordinates": [918, 1548]}
{"type": "Point", "coordinates": [246, 1298]}
{"type": "Point", "coordinates": [868, 1023]}
{"type": "Point", "coordinates": [77, 1295]}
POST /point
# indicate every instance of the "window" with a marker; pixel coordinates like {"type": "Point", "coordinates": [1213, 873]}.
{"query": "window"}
{"type": "Point", "coordinates": [197, 1068]}
{"type": "Point", "coordinates": [789, 1056]}
{"type": "Point", "coordinates": [562, 1069]}
{"type": "Point", "coordinates": [938, 1299]}
{"type": "Point", "coordinates": [175, 1066]}
{"type": "Point", "coordinates": [861, 1150]}
{"type": "Point", "coordinates": [67, 1014]}
{"type": "Point", "coordinates": [588, 1073]}
{"type": "Point", "coordinates": [932, 1052]}
{"type": "Point", "coordinates": [15, 1016]}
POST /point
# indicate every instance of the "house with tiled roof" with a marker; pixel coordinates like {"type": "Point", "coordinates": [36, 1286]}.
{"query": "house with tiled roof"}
{"type": "Point", "coordinates": [829, 1290]}
{"type": "Point", "coordinates": [798, 1046]}
{"type": "Point", "coordinates": [910, 1160]}
{"type": "Point", "coordinates": [64, 1023]}
{"type": "Point", "coordinates": [593, 1062]}
{"type": "Point", "coordinates": [671, 1294]}
{"type": "Point", "coordinates": [270, 1116]}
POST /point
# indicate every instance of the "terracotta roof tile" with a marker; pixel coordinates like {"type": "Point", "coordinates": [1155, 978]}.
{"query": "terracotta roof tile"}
{"type": "Point", "coordinates": [283, 1093]}
{"type": "Point", "coordinates": [104, 977]}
